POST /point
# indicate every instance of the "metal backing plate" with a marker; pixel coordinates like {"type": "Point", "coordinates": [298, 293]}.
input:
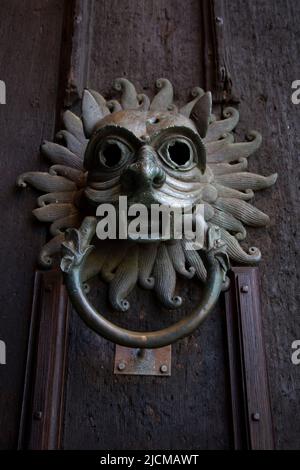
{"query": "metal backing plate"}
{"type": "Point", "coordinates": [129, 361]}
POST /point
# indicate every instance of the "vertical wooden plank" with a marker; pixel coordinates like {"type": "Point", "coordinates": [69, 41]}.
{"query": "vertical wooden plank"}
{"type": "Point", "coordinates": [30, 38]}
{"type": "Point", "coordinates": [41, 424]}
{"type": "Point", "coordinates": [239, 429]}
{"type": "Point", "coordinates": [223, 85]}
{"type": "Point", "coordinates": [209, 51]}
{"type": "Point", "coordinates": [75, 57]}
{"type": "Point", "coordinates": [251, 410]}
{"type": "Point", "coordinates": [263, 41]}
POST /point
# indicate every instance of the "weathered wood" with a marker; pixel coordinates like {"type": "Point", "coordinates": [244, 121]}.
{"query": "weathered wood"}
{"type": "Point", "coordinates": [223, 85]}
{"type": "Point", "coordinates": [41, 423]}
{"type": "Point", "coordinates": [144, 41]}
{"type": "Point", "coordinates": [251, 409]}
{"type": "Point", "coordinates": [211, 72]}
{"type": "Point", "coordinates": [263, 41]}
{"type": "Point", "coordinates": [187, 410]}
{"type": "Point", "coordinates": [258, 45]}
{"type": "Point", "coordinates": [75, 51]}
{"type": "Point", "coordinates": [30, 37]}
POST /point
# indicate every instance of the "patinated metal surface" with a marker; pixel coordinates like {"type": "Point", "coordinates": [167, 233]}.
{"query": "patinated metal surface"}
{"type": "Point", "coordinates": [77, 248]}
{"type": "Point", "coordinates": [129, 361]}
{"type": "Point", "coordinates": [126, 147]}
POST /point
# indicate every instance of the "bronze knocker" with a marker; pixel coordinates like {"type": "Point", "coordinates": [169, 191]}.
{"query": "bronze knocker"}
{"type": "Point", "coordinates": [152, 152]}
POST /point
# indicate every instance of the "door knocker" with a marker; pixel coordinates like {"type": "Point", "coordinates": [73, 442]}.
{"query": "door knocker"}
{"type": "Point", "coordinates": [152, 152]}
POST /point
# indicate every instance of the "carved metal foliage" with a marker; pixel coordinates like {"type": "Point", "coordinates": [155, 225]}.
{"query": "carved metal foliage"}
{"type": "Point", "coordinates": [225, 188]}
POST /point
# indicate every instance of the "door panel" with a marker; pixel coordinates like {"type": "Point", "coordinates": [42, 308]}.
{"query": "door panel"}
{"type": "Point", "coordinates": [191, 408]}
{"type": "Point", "coordinates": [52, 50]}
{"type": "Point", "coordinates": [187, 410]}
{"type": "Point", "coordinates": [30, 38]}
{"type": "Point", "coordinates": [146, 41]}
{"type": "Point", "coordinates": [263, 66]}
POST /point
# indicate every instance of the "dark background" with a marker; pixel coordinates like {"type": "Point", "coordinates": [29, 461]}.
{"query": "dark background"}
{"type": "Point", "coordinates": [47, 55]}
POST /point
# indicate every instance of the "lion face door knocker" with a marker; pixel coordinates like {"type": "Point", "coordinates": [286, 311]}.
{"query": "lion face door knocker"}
{"type": "Point", "coordinates": [152, 153]}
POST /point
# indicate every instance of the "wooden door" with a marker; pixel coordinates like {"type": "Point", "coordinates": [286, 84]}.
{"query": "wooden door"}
{"type": "Point", "coordinates": [72, 399]}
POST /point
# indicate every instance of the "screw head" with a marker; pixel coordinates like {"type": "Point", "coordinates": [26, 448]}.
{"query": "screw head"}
{"type": "Point", "coordinates": [121, 366]}
{"type": "Point", "coordinates": [245, 289]}
{"type": "Point", "coordinates": [86, 287]}
{"type": "Point", "coordinates": [37, 415]}
{"type": "Point", "coordinates": [164, 368]}
{"type": "Point", "coordinates": [255, 416]}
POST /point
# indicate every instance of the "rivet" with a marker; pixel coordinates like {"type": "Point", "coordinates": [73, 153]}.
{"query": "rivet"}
{"type": "Point", "coordinates": [37, 415]}
{"type": "Point", "coordinates": [255, 416]}
{"type": "Point", "coordinates": [121, 366]}
{"type": "Point", "coordinates": [86, 287]}
{"type": "Point", "coordinates": [219, 20]}
{"type": "Point", "coordinates": [245, 289]}
{"type": "Point", "coordinates": [164, 368]}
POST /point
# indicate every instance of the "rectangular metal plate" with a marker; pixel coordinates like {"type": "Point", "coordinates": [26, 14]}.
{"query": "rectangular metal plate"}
{"type": "Point", "coordinates": [129, 361]}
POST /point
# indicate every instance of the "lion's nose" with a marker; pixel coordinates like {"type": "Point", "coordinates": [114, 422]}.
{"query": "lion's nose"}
{"type": "Point", "coordinates": [144, 172]}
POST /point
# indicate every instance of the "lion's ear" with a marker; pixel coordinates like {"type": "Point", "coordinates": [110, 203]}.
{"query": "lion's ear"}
{"type": "Point", "coordinates": [201, 113]}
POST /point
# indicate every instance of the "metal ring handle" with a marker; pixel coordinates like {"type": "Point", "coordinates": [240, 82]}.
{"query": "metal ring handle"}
{"type": "Point", "coordinates": [77, 249]}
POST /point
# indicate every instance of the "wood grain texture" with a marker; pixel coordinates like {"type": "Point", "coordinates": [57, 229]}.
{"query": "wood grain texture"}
{"type": "Point", "coordinates": [144, 41]}
{"type": "Point", "coordinates": [263, 41]}
{"type": "Point", "coordinates": [187, 410]}
{"type": "Point", "coordinates": [251, 409]}
{"type": "Point", "coordinates": [30, 36]}
{"type": "Point", "coordinates": [41, 419]}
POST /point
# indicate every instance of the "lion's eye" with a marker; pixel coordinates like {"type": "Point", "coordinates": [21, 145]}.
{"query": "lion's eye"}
{"type": "Point", "coordinates": [178, 153]}
{"type": "Point", "coordinates": [114, 153]}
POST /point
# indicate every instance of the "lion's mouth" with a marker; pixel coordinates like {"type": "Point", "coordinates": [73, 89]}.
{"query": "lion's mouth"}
{"type": "Point", "coordinates": [140, 223]}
